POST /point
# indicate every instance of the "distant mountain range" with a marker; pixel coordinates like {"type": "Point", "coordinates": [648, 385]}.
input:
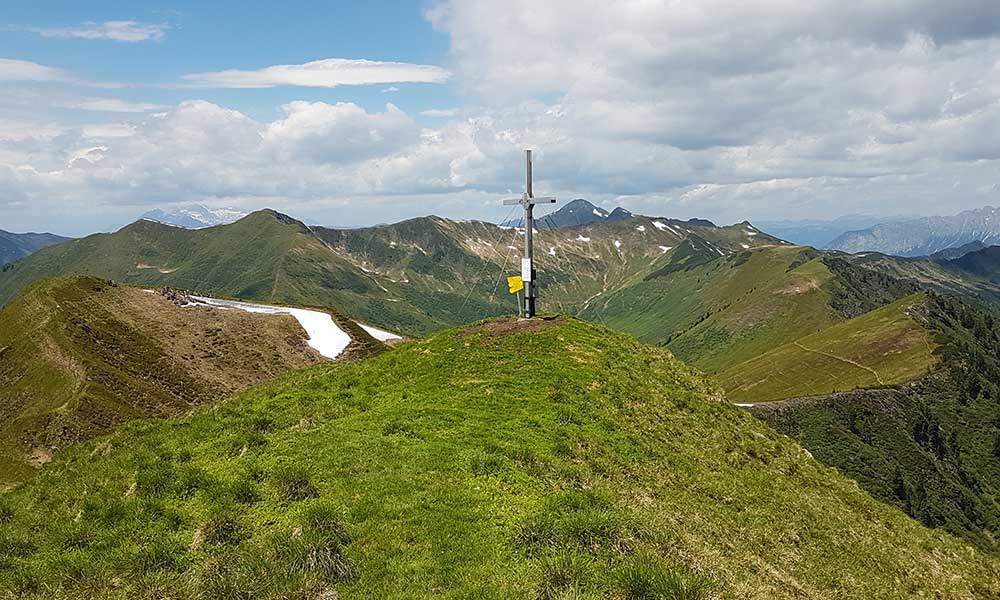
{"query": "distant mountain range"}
{"type": "Point", "coordinates": [819, 233]}
{"type": "Point", "coordinates": [195, 216]}
{"type": "Point", "coordinates": [924, 236]}
{"type": "Point", "coordinates": [413, 277]}
{"type": "Point", "coordinates": [14, 246]}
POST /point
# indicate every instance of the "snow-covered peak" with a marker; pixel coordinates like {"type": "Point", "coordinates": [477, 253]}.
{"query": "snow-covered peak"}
{"type": "Point", "coordinates": [195, 216]}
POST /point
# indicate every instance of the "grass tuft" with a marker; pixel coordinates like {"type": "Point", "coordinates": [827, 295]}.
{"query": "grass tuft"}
{"type": "Point", "coordinates": [643, 577]}
{"type": "Point", "coordinates": [562, 573]}
{"type": "Point", "coordinates": [243, 491]}
{"type": "Point", "coordinates": [224, 528]}
{"type": "Point", "coordinates": [292, 485]}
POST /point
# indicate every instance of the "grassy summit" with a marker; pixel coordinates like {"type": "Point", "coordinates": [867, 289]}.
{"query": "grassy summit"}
{"type": "Point", "coordinates": [506, 459]}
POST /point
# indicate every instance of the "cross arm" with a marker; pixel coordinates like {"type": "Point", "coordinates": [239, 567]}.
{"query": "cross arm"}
{"type": "Point", "coordinates": [523, 200]}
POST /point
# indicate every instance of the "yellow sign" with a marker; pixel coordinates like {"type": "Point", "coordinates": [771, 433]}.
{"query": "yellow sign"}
{"type": "Point", "coordinates": [515, 283]}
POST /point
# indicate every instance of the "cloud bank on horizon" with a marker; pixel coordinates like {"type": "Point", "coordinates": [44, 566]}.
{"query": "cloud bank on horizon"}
{"type": "Point", "coordinates": [720, 109]}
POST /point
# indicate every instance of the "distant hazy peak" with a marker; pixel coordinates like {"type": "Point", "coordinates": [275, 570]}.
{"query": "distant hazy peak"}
{"type": "Point", "coordinates": [924, 236]}
{"type": "Point", "coordinates": [195, 216]}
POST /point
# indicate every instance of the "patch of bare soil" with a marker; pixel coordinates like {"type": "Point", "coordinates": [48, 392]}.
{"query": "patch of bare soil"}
{"type": "Point", "coordinates": [894, 344]}
{"type": "Point", "coordinates": [38, 457]}
{"type": "Point", "coordinates": [798, 287]}
{"type": "Point", "coordinates": [498, 327]}
{"type": "Point", "coordinates": [228, 349]}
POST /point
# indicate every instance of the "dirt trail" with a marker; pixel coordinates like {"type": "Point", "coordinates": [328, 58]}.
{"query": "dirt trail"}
{"type": "Point", "coordinates": [846, 360]}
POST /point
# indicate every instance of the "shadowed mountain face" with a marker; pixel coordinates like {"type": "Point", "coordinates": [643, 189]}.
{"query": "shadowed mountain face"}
{"type": "Point", "coordinates": [14, 246]}
{"type": "Point", "coordinates": [958, 252]}
{"type": "Point", "coordinates": [984, 263]}
{"type": "Point", "coordinates": [926, 236]}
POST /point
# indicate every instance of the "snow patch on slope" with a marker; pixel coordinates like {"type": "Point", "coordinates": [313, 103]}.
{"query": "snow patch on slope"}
{"type": "Point", "coordinates": [379, 334]}
{"type": "Point", "coordinates": [324, 335]}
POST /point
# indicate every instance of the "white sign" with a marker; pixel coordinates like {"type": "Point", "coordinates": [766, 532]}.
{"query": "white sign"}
{"type": "Point", "coordinates": [526, 269]}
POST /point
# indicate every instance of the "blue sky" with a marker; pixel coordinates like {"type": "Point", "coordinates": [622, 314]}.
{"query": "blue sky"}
{"type": "Point", "coordinates": [218, 35]}
{"type": "Point", "coordinates": [347, 113]}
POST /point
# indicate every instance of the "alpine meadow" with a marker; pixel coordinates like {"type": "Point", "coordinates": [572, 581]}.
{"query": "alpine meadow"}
{"type": "Point", "coordinates": [532, 301]}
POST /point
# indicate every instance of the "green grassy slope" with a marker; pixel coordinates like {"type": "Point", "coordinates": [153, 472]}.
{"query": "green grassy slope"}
{"type": "Point", "coordinates": [884, 347]}
{"type": "Point", "coordinates": [931, 447]}
{"type": "Point", "coordinates": [265, 256]}
{"type": "Point", "coordinates": [78, 356]}
{"type": "Point", "coordinates": [413, 277]}
{"type": "Point", "coordinates": [556, 459]}
{"type": "Point", "coordinates": [718, 311]}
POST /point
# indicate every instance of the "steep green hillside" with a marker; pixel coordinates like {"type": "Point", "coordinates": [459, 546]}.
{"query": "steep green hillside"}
{"type": "Point", "coordinates": [931, 447]}
{"type": "Point", "coordinates": [974, 274]}
{"type": "Point", "coordinates": [719, 311]}
{"type": "Point", "coordinates": [500, 460]}
{"type": "Point", "coordinates": [887, 346]}
{"type": "Point", "coordinates": [265, 256]}
{"type": "Point", "coordinates": [443, 261]}
{"type": "Point", "coordinates": [414, 277]}
{"type": "Point", "coordinates": [79, 355]}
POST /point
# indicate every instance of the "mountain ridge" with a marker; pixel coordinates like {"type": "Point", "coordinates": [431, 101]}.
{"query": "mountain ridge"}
{"type": "Point", "coordinates": [81, 354]}
{"type": "Point", "coordinates": [14, 246]}
{"type": "Point", "coordinates": [924, 236]}
{"type": "Point", "coordinates": [412, 277]}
